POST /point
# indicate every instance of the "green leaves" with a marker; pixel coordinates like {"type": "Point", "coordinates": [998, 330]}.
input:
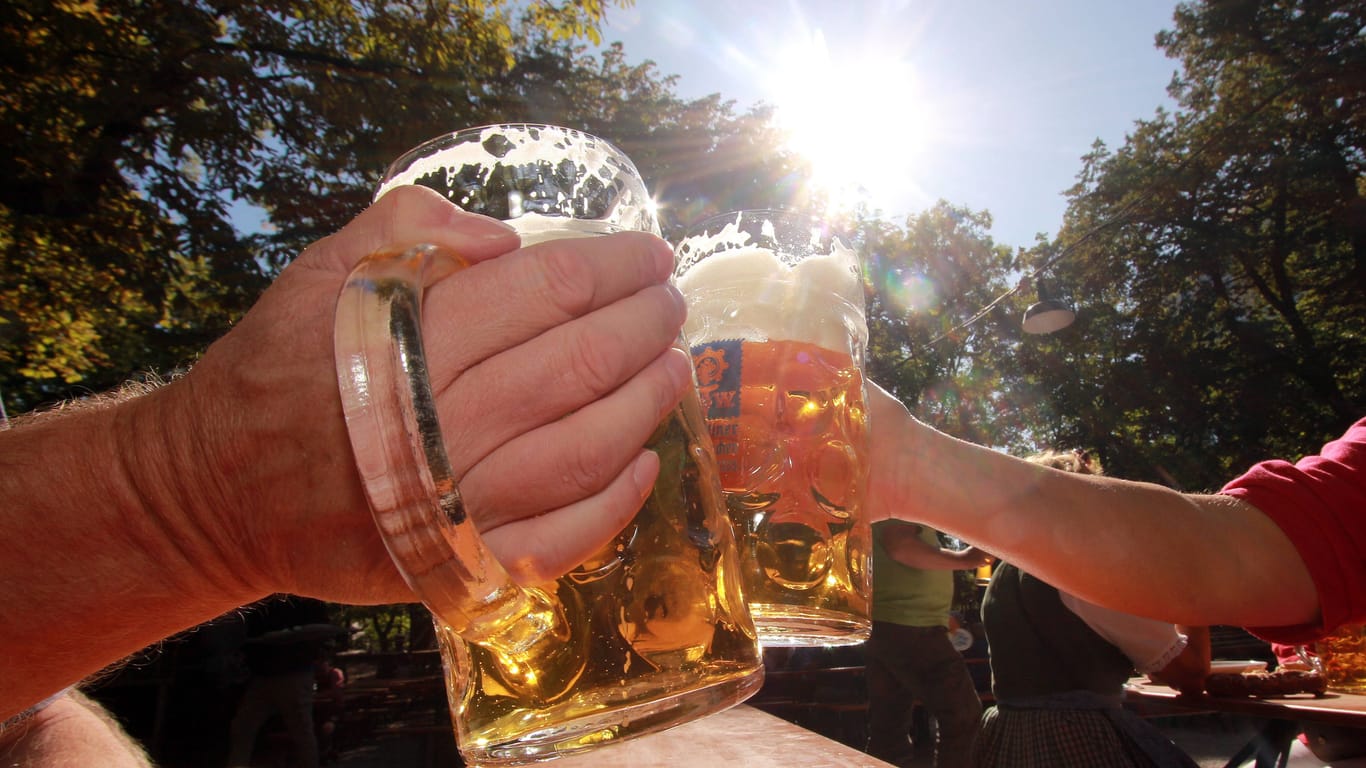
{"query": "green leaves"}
{"type": "Point", "coordinates": [1233, 309]}
{"type": "Point", "coordinates": [1217, 258]}
{"type": "Point", "coordinates": [925, 282]}
{"type": "Point", "coordinates": [135, 129]}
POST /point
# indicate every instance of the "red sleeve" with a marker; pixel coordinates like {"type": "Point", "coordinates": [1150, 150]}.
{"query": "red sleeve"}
{"type": "Point", "coordinates": [1320, 504]}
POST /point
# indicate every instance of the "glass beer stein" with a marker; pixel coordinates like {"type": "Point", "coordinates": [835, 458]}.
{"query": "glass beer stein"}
{"type": "Point", "coordinates": [652, 631]}
{"type": "Point", "coordinates": [1340, 658]}
{"type": "Point", "coordinates": [778, 333]}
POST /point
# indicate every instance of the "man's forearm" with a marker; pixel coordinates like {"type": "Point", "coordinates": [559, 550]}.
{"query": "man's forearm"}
{"type": "Point", "coordinates": [89, 542]}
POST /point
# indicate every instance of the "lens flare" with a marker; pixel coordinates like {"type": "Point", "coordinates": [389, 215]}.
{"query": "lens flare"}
{"type": "Point", "coordinates": [911, 293]}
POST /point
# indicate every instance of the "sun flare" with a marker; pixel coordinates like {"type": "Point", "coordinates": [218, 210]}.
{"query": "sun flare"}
{"type": "Point", "coordinates": [856, 118]}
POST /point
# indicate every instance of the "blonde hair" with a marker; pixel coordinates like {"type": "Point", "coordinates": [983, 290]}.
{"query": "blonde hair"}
{"type": "Point", "coordinates": [1077, 461]}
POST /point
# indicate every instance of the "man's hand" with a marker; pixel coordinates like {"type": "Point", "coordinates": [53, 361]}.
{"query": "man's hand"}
{"type": "Point", "coordinates": [551, 365]}
{"type": "Point", "coordinates": [130, 520]}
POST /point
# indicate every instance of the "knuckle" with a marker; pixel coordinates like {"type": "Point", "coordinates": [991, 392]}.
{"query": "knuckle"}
{"type": "Point", "coordinates": [399, 199]}
{"type": "Point", "coordinates": [413, 206]}
{"type": "Point", "coordinates": [583, 470]}
{"type": "Point", "coordinates": [532, 573]}
{"type": "Point", "coordinates": [569, 280]}
{"type": "Point", "coordinates": [552, 562]}
{"type": "Point", "coordinates": [534, 566]}
{"type": "Point", "coordinates": [590, 364]}
{"type": "Point", "coordinates": [665, 391]}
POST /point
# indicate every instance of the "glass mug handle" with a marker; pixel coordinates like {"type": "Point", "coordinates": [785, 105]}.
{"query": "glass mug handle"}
{"type": "Point", "coordinates": [396, 441]}
{"type": "Point", "coordinates": [1310, 658]}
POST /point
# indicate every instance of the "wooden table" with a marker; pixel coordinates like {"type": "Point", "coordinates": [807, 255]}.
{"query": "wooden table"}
{"type": "Point", "coordinates": [1344, 709]}
{"type": "Point", "coordinates": [740, 737]}
{"type": "Point", "coordinates": [1283, 714]}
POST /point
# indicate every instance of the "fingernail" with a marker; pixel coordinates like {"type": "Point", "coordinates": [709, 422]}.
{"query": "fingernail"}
{"type": "Point", "coordinates": [677, 296]}
{"type": "Point", "coordinates": [483, 227]}
{"type": "Point", "coordinates": [665, 255]}
{"type": "Point", "coordinates": [644, 472]}
{"type": "Point", "coordinates": [679, 367]}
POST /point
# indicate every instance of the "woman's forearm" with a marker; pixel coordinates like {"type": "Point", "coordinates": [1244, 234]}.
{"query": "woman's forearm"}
{"type": "Point", "coordinates": [1136, 547]}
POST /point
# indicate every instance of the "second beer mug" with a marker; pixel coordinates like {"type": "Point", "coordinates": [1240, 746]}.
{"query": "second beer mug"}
{"type": "Point", "coordinates": [652, 631]}
{"type": "Point", "coordinates": [1341, 657]}
{"type": "Point", "coordinates": [777, 329]}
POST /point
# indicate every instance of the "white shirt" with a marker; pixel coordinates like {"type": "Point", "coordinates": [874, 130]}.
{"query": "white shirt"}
{"type": "Point", "coordinates": [1149, 644]}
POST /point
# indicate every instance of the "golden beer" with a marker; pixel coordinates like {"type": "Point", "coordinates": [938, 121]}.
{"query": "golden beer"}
{"type": "Point", "coordinates": [653, 630]}
{"type": "Point", "coordinates": [1343, 655]}
{"type": "Point", "coordinates": [777, 349]}
{"type": "Point", "coordinates": [660, 608]}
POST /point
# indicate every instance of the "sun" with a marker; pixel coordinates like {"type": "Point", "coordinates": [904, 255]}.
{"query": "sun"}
{"type": "Point", "coordinates": [857, 117]}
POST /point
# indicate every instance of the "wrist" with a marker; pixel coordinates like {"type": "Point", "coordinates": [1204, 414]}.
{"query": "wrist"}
{"type": "Point", "coordinates": [265, 470]}
{"type": "Point", "coordinates": [101, 542]}
{"type": "Point", "coordinates": [180, 511]}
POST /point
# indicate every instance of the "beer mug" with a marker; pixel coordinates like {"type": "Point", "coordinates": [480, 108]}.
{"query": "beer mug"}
{"type": "Point", "coordinates": [653, 630]}
{"type": "Point", "coordinates": [1340, 658]}
{"type": "Point", "coordinates": [777, 329]}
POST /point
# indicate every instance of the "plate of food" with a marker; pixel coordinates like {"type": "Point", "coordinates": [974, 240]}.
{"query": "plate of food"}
{"type": "Point", "coordinates": [1227, 667]}
{"type": "Point", "coordinates": [1282, 683]}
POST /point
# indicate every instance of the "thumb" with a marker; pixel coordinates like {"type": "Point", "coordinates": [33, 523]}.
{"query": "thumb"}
{"type": "Point", "coordinates": [407, 216]}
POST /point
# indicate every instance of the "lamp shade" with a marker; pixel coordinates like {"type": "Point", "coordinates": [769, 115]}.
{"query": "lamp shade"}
{"type": "Point", "coordinates": [1047, 316]}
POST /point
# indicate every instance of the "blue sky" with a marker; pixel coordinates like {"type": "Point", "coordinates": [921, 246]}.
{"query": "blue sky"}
{"type": "Point", "coordinates": [991, 104]}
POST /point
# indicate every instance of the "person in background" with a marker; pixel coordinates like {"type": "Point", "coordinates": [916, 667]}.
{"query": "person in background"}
{"type": "Point", "coordinates": [285, 638]}
{"type": "Point", "coordinates": [909, 657]}
{"type": "Point", "coordinates": [1278, 550]}
{"type": "Point", "coordinates": [131, 517]}
{"type": "Point", "coordinates": [328, 703]}
{"type": "Point", "coordinates": [1058, 669]}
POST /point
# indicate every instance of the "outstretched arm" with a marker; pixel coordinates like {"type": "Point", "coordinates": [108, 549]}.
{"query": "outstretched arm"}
{"type": "Point", "coordinates": [1136, 547]}
{"type": "Point", "coordinates": [129, 520]}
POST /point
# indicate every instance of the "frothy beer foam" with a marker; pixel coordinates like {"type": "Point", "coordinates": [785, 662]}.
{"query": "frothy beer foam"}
{"type": "Point", "coordinates": [748, 293]}
{"type": "Point", "coordinates": [537, 228]}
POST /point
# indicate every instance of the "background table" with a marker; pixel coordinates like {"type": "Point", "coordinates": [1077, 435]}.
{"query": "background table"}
{"type": "Point", "coordinates": [1344, 709]}
{"type": "Point", "coordinates": [1271, 745]}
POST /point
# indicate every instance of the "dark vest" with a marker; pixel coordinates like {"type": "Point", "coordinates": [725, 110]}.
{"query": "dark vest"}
{"type": "Point", "coordinates": [1038, 647]}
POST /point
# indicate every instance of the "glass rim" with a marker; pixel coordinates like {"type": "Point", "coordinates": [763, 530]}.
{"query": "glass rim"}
{"type": "Point", "coordinates": [823, 233]}
{"type": "Point", "coordinates": [405, 159]}
{"type": "Point", "coordinates": [775, 213]}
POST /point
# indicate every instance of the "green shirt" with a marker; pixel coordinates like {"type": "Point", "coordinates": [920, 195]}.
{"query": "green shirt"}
{"type": "Point", "coordinates": [911, 597]}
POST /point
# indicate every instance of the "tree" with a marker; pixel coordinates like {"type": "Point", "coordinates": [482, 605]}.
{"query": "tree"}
{"type": "Point", "coordinates": [141, 131]}
{"type": "Point", "coordinates": [381, 628]}
{"type": "Point", "coordinates": [1225, 315]}
{"type": "Point", "coordinates": [924, 281]}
